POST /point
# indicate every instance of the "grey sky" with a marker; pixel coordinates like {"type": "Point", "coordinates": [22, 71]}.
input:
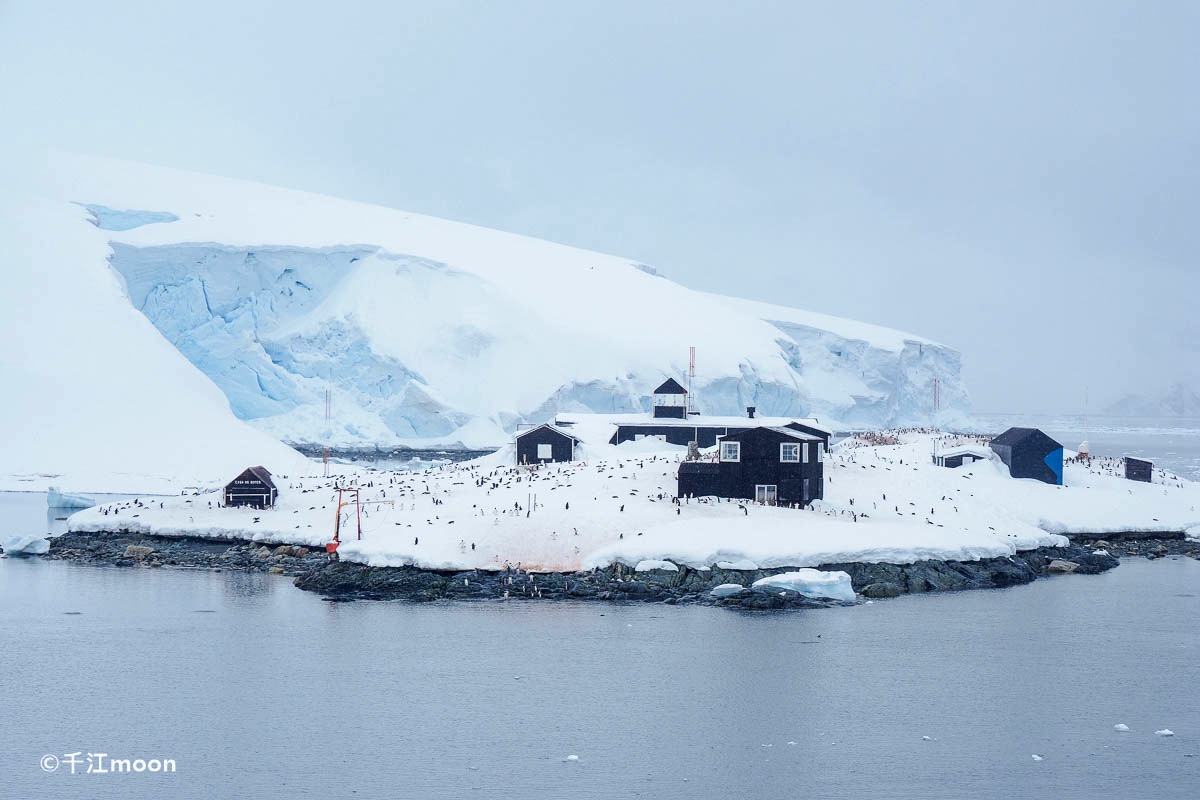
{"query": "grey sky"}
{"type": "Point", "coordinates": [1020, 180]}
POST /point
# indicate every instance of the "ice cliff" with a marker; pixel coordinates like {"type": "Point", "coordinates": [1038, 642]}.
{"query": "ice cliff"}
{"type": "Point", "coordinates": [429, 332]}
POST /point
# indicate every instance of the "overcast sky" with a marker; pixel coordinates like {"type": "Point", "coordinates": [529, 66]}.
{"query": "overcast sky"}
{"type": "Point", "coordinates": [1018, 180]}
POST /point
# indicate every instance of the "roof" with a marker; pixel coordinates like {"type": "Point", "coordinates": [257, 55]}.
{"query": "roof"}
{"type": "Point", "coordinates": [670, 386]}
{"type": "Point", "coordinates": [262, 473]}
{"type": "Point", "coordinates": [1013, 436]}
{"type": "Point", "coordinates": [547, 426]}
{"type": "Point", "coordinates": [697, 421]}
{"type": "Point", "coordinates": [600, 428]}
{"type": "Point", "coordinates": [791, 433]}
{"type": "Point", "coordinates": [965, 450]}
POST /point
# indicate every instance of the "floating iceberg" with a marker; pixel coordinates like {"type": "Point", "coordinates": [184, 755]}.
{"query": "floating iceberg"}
{"type": "Point", "coordinates": [26, 545]}
{"type": "Point", "coordinates": [57, 499]}
{"type": "Point", "coordinates": [812, 583]}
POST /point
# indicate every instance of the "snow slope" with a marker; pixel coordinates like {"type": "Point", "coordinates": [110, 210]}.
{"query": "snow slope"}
{"type": "Point", "coordinates": [430, 332]}
{"type": "Point", "coordinates": [883, 503]}
{"type": "Point", "coordinates": [92, 397]}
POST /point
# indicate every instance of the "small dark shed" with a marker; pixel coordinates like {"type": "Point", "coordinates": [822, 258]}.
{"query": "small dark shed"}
{"type": "Point", "coordinates": [670, 400]}
{"type": "Point", "coordinates": [253, 487]}
{"type": "Point", "coordinates": [777, 466]}
{"type": "Point", "coordinates": [1029, 453]}
{"type": "Point", "coordinates": [1137, 469]}
{"type": "Point", "coordinates": [545, 443]}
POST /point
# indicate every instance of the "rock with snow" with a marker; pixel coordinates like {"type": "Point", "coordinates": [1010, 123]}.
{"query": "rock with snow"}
{"type": "Point", "coordinates": [649, 565]}
{"type": "Point", "coordinates": [741, 564]}
{"type": "Point", "coordinates": [812, 583]}
{"type": "Point", "coordinates": [726, 590]}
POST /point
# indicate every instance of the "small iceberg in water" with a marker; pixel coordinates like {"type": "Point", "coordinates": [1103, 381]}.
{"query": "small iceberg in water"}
{"type": "Point", "coordinates": [812, 583]}
{"type": "Point", "coordinates": [26, 545]}
{"type": "Point", "coordinates": [57, 499]}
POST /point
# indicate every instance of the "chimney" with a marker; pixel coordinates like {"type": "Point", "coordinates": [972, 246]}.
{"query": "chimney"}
{"type": "Point", "coordinates": [750, 412]}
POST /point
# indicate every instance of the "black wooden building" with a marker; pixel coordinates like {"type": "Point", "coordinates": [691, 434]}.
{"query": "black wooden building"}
{"type": "Point", "coordinates": [773, 465]}
{"type": "Point", "coordinates": [1029, 453]}
{"type": "Point", "coordinates": [543, 444]}
{"type": "Point", "coordinates": [253, 487]}
{"type": "Point", "coordinates": [670, 400]}
{"type": "Point", "coordinates": [1138, 469]}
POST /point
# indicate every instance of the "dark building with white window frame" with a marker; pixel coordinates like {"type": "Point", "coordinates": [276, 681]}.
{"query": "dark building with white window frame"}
{"type": "Point", "coordinates": [670, 400]}
{"type": "Point", "coordinates": [254, 487]}
{"type": "Point", "coordinates": [773, 465]}
{"type": "Point", "coordinates": [545, 444]}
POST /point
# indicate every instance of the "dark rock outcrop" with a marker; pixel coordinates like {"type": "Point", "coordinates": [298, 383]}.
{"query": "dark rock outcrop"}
{"type": "Point", "coordinates": [344, 580]}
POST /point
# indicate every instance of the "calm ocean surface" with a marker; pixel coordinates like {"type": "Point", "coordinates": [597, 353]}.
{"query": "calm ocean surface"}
{"type": "Point", "coordinates": [256, 689]}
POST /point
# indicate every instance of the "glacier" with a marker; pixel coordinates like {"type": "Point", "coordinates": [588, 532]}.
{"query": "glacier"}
{"type": "Point", "coordinates": [426, 332]}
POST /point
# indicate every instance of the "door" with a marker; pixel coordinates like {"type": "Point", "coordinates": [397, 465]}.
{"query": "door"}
{"type": "Point", "coordinates": [766, 493]}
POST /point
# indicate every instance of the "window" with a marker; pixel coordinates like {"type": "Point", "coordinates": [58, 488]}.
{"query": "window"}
{"type": "Point", "coordinates": [789, 453]}
{"type": "Point", "coordinates": [545, 452]}
{"type": "Point", "coordinates": [820, 452]}
{"type": "Point", "coordinates": [806, 452]}
{"type": "Point", "coordinates": [767, 494]}
{"type": "Point", "coordinates": [731, 451]}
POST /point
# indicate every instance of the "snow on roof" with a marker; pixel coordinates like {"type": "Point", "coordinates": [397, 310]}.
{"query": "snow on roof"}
{"type": "Point", "coordinates": [697, 421]}
{"type": "Point", "coordinates": [599, 428]}
{"type": "Point", "coordinates": [548, 426]}
{"type": "Point", "coordinates": [789, 432]}
{"type": "Point", "coordinates": [965, 450]}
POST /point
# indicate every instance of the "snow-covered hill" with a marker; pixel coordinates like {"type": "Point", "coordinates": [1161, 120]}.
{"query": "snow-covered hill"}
{"type": "Point", "coordinates": [92, 398]}
{"type": "Point", "coordinates": [434, 332]}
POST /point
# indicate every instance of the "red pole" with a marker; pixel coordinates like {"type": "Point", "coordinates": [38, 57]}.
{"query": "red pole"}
{"type": "Point", "coordinates": [337, 520]}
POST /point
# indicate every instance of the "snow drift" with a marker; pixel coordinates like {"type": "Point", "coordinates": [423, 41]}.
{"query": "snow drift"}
{"type": "Point", "coordinates": [430, 333]}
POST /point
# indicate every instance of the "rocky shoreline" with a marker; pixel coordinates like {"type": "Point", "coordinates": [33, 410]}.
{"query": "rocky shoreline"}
{"type": "Point", "coordinates": [340, 580]}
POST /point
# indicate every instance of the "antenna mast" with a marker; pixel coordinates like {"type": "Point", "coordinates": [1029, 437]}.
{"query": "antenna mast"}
{"type": "Point", "coordinates": [691, 403]}
{"type": "Point", "coordinates": [325, 457]}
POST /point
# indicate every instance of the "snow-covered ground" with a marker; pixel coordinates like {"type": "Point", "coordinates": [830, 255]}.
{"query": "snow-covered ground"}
{"type": "Point", "coordinates": [883, 502]}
